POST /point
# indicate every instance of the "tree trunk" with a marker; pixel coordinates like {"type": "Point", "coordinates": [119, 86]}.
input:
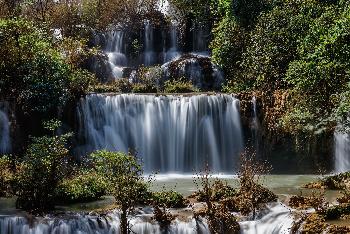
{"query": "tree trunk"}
{"type": "Point", "coordinates": [124, 221]}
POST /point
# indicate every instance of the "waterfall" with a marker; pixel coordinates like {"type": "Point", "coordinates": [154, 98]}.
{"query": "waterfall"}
{"type": "Point", "coordinates": [199, 40]}
{"type": "Point", "coordinates": [255, 126]}
{"type": "Point", "coordinates": [5, 142]}
{"type": "Point", "coordinates": [173, 51]}
{"type": "Point", "coordinates": [342, 151]}
{"type": "Point", "coordinates": [89, 224]}
{"type": "Point", "coordinates": [149, 54]}
{"type": "Point", "coordinates": [114, 50]}
{"type": "Point", "coordinates": [276, 219]}
{"type": "Point", "coordinates": [199, 69]}
{"type": "Point", "coordinates": [170, 133]}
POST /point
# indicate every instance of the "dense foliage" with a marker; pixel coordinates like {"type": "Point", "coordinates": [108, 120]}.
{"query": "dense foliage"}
{"type": "Point", "coordinates": [169, 198]}
{"type": "Point", "coordinates": [39, 73]}
{"type": "Point", "coordinates": [124, 175]}
{"type": "Point", "coordinates": [84, 186]}
{"type": "Point", "coordinates": [6, 175]}
{"type": "Point", "coordinates": [293, 53]}
{"type": "Point", "coordinates": [298, 46]}
{"type": "Point", "coordinates": [40, 171]}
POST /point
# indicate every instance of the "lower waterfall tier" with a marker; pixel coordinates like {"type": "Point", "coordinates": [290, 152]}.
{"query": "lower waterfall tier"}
{"type": "Point", "coordinates": [275, 219]}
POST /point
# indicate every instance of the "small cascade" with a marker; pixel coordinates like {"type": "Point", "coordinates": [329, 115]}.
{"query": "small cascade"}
{"type": "Point", "coordinates": [170, 133]}
{"type": "Point", "coordinates": [276, 219]}
{"type": "Point", "coordinates": [115, 52]}
{"type": "Point", "coordinates": [342, 151]}
{"type": "Point", "coordinates": [89, 224]}
{"type": "Point", "coordinates": [199, 69]}
{"type": "Point", "coordinates": [5, 141]}
{"type": "Point", "coordinates": [199, 43]}
{"type": "Point", "coordinates": [255, 126]}
{"type": "Point", "coordinates": [149, 54]}
{"type": "Point", "coordinates": [173, 51]}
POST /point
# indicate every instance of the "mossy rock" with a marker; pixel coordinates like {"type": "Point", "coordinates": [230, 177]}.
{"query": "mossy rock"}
{"type": "Point", "coordinates": [339, 181]}
{"type": "Point", "coordinates": [335, 212]}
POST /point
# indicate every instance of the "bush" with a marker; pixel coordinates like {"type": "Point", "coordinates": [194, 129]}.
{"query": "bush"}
{"type": "Point", "coordinates": [168, 199]}
{"type": "Point", "coordinates": [144, 88]}
{"type": "Point", "coordinates": [179, 86]}
{"type": "Point", "coordinates": [316, 200]}
{"type": "Point", "coordinates": [218, 191]}
{"type": "Point", "coordinates": [36, 71]}
{"type": "Point", "coordinates": [42, 169]}
{"type": "Point", "coordinates": [338, 181]}
{"type": "Point", "coordinates": [227, 47]}
{"type": "Point", "coordinates": [124, 174]}
{"type": "Point", "coordinates": [251, 195]}
{"type": "Point", "coordinates": [82, 187]}
{"type": "Point", "coordinates": [6, 176]}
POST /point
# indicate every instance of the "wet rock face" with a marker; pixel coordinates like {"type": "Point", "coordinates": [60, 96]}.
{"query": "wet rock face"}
{"type": "Point", "coordinates": [100, 67]}
{"type": "Point", "coordinates": [197, 68]}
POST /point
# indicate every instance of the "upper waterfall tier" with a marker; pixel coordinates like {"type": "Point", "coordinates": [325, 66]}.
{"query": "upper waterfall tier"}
{"type": "Point", "coordinates": [170, 133]}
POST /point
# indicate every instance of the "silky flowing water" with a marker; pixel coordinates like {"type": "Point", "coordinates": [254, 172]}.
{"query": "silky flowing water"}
{"type": "Point", "coordinates": [173, 134]}
{"type": "Point", "coordinates": [276, 218]}
{"type": "Point", "coordinates": [342, 152]}
{"type": "Point", "coordinates": [5, 140]}
{"type": "Point", "coordinates": [169, 133]}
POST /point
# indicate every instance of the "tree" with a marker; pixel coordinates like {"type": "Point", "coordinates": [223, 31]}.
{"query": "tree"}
{"type": "Point", "coordinates": [320, 76]}
{"type": "Point", "coordinates": [41, 170]}
{"type": "Point", "coordinates": [38, 72]}
{"type": "Point", "coordinates": [213, 193]}
{"type": "Point", "coordinates": [227, 46]}
{"type": "Point", "coordinates": [124, 174]}
{"type": "Point", "coordinates": [6, 175]}
{"type": "Point", "coordinates": [252, 195]}
{"type": "Point", "coordinates": [274, 40]}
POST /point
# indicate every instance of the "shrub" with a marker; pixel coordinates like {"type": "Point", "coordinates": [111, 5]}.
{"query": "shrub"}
{"type": "Point", "coordinates": [220, 219]}
{"type": "Point", "coordinates": [179, 86]}
{"type": "Point", "coordinates": [42, 169]}
{"type": "Point", "coordinates": [124, 174]}
{"type": "Point", "coordinates": [163, 217]}
{"type": "Point", "coordinates": [316, 200]}
{"type": "Point", "coordinates": [144, 88]}
{"type": "Point", "coordinates": [338, 181]}
{"type": "Point", "coordinates": [82, 187]}
{"type": "Point", "coordinates": [6, 176]}
{"type": "Point", "coordinates": [219, 190]}
{"type": "Point", "coordinates": [35, 71]}
{"type": "Point", "coordinates": [252, 195]}
{"type": "Point", "coordinates": [169, 198]}
{"type": "Point", "coordinates": [104, 88]}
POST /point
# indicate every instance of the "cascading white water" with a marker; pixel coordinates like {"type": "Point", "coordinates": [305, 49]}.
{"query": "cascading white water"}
{"type": "Point", "coordinates": [149, 54]}
{"type": "Point", "coordinates": [170, 133]}
{"type": "Point", "coordinates": [342, 151]}
{"type": "Point", "coordinates": [199, 40]}
{"type": "Point", "coordinates": [277, 219]}
{"type": "Point", "coordinates": [115, 52]}
{"type": "Point", "coordinates": [255, 126]}
{"type": "Point", "coordinates": [173, 51]}
{"type": "Point", "coordinates": [88, 224]}
{"type": "Point", "coordinates": [196, 68]}
{"type": "Point", "coordinates": [5, 141]}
